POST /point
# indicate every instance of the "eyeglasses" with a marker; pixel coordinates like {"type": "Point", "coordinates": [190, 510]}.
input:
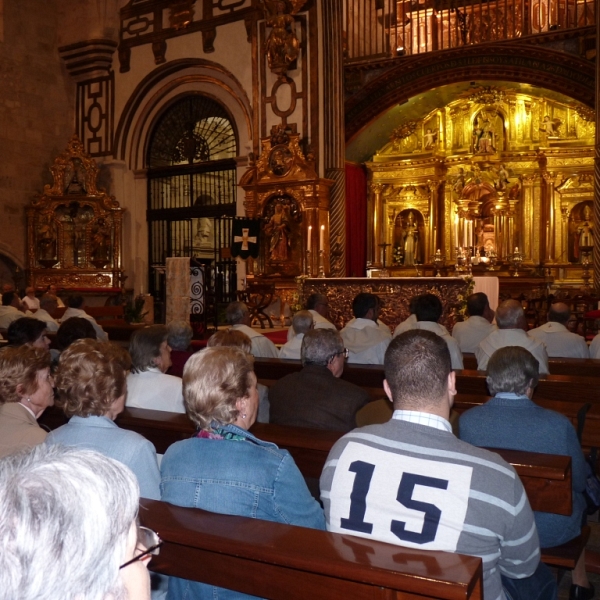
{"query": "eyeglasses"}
{"type": "Point", "coordinates": [146, 538]}
{"type": "Point", "coordinates": [345, 352]}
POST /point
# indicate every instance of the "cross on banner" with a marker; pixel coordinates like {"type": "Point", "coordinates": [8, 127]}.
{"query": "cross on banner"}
{"type": "Point", "coordinates": [245, 238]}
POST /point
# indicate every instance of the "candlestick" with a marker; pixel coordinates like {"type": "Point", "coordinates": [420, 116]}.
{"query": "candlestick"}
{"type": "Point", "coordinates": [322, 239]}
{"type": "Point", "coordinates": [309, 240]}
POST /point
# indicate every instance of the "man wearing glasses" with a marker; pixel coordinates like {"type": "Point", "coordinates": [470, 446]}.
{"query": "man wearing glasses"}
{"type": "Point", "coordinates": [316, 397]}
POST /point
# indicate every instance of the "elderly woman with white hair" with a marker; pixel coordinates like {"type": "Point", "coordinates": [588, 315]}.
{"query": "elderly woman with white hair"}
{"type": "Point", "coordinates": [68, 528]}
{"type": "Point", "coordinates": [148, 385]}
{"type": "Point", "coordinates": [224, 468]}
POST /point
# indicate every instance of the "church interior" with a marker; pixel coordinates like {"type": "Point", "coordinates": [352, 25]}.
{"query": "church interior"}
{"type": "Point", "coordinates": [175, 156]}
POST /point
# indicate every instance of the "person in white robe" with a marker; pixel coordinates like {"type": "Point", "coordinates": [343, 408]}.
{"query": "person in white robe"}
{"type": "Point", "coordinates": [365, 340]}
{"type": "Point", "coordinates": [512, 331]}
{"type": "Point", "coordinates": [238, 317]}
{"type": "Point", "coordinates": [559, 341]}
{"type": "Point", "coordinates": [478, 326]}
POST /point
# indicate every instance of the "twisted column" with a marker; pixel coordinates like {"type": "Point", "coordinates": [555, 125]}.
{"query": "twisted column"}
{"type": "Point", "coordinates": [596, 252]}
{"type": "Point", "coordinates": [334, 148]}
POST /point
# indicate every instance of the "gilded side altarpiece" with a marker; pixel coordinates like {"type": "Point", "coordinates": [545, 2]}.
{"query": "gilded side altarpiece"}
{"type": "Point", "coordinates": [495, 172]}
{"type": "Point", "coordinates": [291, 201]}
{"type": "Point", "coordinates": [74, 237]}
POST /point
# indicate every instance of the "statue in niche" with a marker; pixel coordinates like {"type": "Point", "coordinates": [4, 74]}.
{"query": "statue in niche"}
{"type": "Point", "coordinates": [459, 182]}
{"type": "Point", "coordinates": [485, 139]}
{"type": "Point", "coordinates": [46, 236]}
{"type": "Point", "coordinates": [551, 127]}
{"type": "Point", "coordinates": [410, 241]}
{"type": "Point", "coordinates": [580, 232]}
{"type": "Point", "coordinates": [430, 139]}
{"type": "Point", "coordinates": [584, 237]}
{"type": "Point", "coordinates": [278, 229]}
{"type": "Point", "coordinates": [100, 246]}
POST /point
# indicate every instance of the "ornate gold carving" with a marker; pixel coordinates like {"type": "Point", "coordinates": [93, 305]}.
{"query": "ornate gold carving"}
{"type": "Point", "coordinates": [181, 14]}
{"type": "Point", "coordinates": [74, 228]}
{"type": "Point", "coordinates": [394, 293]}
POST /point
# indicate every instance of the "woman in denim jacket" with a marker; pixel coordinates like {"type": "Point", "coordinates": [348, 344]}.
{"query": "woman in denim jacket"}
{"type": "Point", "coordinates": [224, 468]}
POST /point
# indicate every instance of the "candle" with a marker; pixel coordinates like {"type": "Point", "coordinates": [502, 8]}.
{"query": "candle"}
{"type": "Point", "coordinates": [322, 239]}
{"type": "Point", "coordinates": [456, 231]}
{"type": "Point", "coordinates": [308, 241]}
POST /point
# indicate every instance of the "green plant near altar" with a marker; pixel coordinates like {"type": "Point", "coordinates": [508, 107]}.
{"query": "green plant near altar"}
{"type": "Point", "coordinates": [462, 297]}
{"type": "Point", "coordinates": [134, 310]}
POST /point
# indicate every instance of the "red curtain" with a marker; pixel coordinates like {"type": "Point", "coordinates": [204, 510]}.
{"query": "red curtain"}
{"type": "Point", "coordinates": [356, 220]}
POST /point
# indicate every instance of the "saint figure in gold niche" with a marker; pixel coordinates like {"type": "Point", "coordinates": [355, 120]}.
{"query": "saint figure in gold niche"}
{"type": "Point", "coordinates": [278, 228]}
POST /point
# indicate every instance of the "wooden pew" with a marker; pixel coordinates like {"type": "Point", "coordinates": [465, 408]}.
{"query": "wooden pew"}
{"type": "Point", "coordinates": [283, 562]}
{"type": "Point", "coordinates": [575, 367]}
{"type": "Point", "coordinates": [370, 377]}
{"type": "Point", "coordinates": [545, 477]}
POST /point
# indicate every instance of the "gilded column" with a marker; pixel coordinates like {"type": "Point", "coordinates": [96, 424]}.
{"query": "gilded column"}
{"type": "Point", "coordinates": [334, 150]}
{"type": "Point", "coordinates": [551, 220]}
{"type": "Point", "coordinates": [596, 253]}
{"type": "Point", "coordinates": [377, 224]}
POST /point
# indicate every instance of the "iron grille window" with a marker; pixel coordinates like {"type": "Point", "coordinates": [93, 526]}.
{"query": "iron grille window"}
{"type": "Point", "coordinates": [192, 194]}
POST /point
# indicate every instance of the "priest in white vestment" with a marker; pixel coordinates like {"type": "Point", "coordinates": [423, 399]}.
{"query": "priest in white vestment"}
{"type": "Point", "coordinates": [365, 339]}
{"type": "Point", "coordinates": [559, 341]}
{"type": "Point", "coordinates": [238, 317]}
{"type": "Point", "coordinates": [512, 331]}
{"type": "Point", "coordinates": [478, 326]}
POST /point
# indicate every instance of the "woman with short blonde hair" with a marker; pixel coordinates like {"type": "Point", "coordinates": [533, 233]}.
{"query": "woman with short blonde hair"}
{"type": "Point", "coordinates": [26, 390]}
{"type": "Point", "coordinates": [224, 468]}
{"type": "Point", "coordinates": [91, 385]}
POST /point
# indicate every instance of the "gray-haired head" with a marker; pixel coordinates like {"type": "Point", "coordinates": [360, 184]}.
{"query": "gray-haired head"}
{"type": "Point", "coordinates": [510, 315]}
{"type": "Point", "coordinates": [512, 369]}
{"type": "Point", "coordinates": [180, 335]}
{"type": "Point", "coordinates": [65, 516]}
{"type": "Point", "coordinates": [559, 313]}
{"type": "Point", "coordinates": [144, 346]}
{"type": "Point", "coordinates": [236, 313]}
{"type": "Point", "coordinates": [320, 346]}
{"type": "Point", "coordinates": [49, 303]}
{"type": "Point", "coordinates": [302, 322]}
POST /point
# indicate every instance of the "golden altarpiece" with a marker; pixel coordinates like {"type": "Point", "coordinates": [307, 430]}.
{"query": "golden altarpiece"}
{"type": "Point", "coordinates": [284, 192]}
{"type": "Point", "coordinates": [496, 178]}
{"type": "Point", "coordinates": [74, 229]}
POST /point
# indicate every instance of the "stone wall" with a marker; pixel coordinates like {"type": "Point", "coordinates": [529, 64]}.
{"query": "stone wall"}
{"type": "Point", "coordinates": [36, 113]}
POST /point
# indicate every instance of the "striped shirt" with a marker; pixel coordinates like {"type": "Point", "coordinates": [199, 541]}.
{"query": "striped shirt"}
{"type": "Point", "coordinates": [417, 485]}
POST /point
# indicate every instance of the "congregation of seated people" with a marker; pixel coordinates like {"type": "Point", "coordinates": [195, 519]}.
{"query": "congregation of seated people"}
{"type": "Point", "coordinates": [369, 484]}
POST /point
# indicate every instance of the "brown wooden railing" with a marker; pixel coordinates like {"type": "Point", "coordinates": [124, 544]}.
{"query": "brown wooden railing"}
{"type": "Point", "coordinates": [379, 29]}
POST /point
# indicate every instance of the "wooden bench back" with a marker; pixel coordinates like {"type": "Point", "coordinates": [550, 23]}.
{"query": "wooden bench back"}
{"type": "Point", "coordinates": [546, 477]}
{"type": "Point", "coordinates": [283, 562]}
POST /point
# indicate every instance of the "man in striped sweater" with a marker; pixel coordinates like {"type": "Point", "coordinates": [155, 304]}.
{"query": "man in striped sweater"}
{"type": "Point", "coordinates": [411, 482]}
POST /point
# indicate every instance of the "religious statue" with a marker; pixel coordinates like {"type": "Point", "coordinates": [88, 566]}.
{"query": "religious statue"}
{"type": "Point", "coordinates": [430, 138]}
{"type": "Point", "coordinates": [584, 237]}
{"type": "Point", "coordinates": [486, 143]}
{"type": "Point", "coordinates": [46, 239]}
{"type": "Point", "coordinates": [551, 127]}
{"type": "Point", "coordinates": [278, 228]}
{"type": "Point", "coordinates": [459, 182]}
{"type": "Point", "coordinates": [282, 47]}
{"type": "Point", "coordinates": [100, 246]}
{"type": "Point", "coordinates": [411, 241]}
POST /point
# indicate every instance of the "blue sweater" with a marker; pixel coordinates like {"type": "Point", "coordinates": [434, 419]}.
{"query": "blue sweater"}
{"type": "Point", "coordinates": [515, 422]}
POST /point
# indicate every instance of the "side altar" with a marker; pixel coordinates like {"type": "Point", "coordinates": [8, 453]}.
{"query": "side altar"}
{"type": "Point", "coordinates": [74, 229]}
{"type": "Point", "coordinates": [394, 292]}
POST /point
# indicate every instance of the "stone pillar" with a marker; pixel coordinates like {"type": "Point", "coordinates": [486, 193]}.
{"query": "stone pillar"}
{"type": "Point", "coordinates": [334, 143]}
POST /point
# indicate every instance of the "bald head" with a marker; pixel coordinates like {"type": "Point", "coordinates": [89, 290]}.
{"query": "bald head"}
{"type": "Point", "coordinates": [559, 313]}
{"type": "Point", "coordinates": [510, 315]}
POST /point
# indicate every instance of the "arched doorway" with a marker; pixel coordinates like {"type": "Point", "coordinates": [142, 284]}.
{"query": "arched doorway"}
{"type": "Point", "coordinates": [192, 191]}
